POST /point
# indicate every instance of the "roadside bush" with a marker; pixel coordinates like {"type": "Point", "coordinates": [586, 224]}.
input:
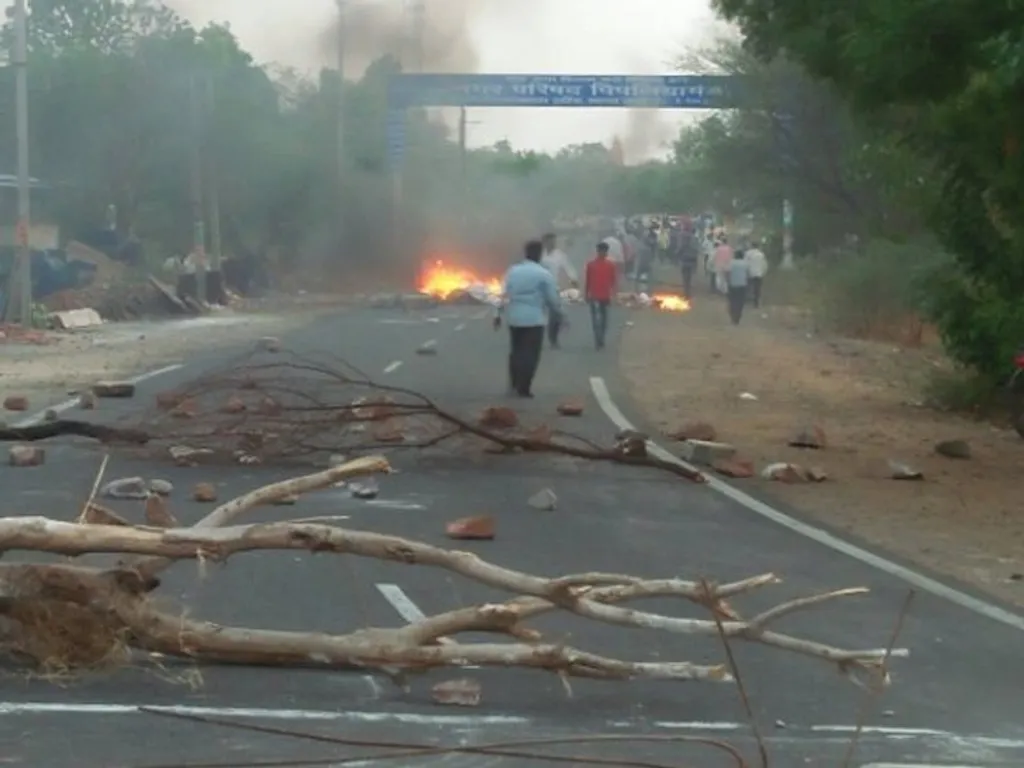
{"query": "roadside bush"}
{"type": "Point", "coordinates": [875, 292]}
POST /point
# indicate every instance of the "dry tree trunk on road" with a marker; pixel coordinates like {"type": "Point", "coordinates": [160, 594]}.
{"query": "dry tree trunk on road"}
{"type": "Point", "coordinates": [61, 616]}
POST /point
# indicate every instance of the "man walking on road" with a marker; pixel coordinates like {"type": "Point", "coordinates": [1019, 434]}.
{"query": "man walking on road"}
{"type": "Point", "coordinates": [757, 264]}
{"type": "Point", "coordinates": [738, 278]}
{"type": "Point", "coordinates": [556, 262]}
{"type": "Point", "coordinates": [689, 253]}
{"type": "Point", "coordinates": [599, 290]}
{"type": "Point", "coordinates": [530, 298]}
{"type": "Point", "coordinates": [722, 259]}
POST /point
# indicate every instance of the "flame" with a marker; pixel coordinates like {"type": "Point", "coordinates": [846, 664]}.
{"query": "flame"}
{"type": "Point", "coordinates": [442, 280]}
{"type": "Point", "coordinates": [670, 302]}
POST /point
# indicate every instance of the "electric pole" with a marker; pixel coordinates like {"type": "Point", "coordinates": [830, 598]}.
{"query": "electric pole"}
{"type": "Point", "coordinates": [198, 224]}
{"type": "Point", "coordinates": [215, 281]}
{"type": "Point", "coordinates": [24, 268]}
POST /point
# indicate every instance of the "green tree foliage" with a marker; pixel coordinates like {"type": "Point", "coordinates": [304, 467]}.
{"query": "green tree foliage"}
{"type": "Point", "coordinates": [946, 80]}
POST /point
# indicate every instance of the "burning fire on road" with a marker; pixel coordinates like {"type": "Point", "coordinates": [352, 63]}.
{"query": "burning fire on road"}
{"type": "Point", "coordinates": [670, 302]}
{"type": "Point", "coordinates": [446, 281]}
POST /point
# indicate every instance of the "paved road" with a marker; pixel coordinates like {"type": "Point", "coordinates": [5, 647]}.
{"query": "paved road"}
{"type": "Point", "coordinates": [957, 700]}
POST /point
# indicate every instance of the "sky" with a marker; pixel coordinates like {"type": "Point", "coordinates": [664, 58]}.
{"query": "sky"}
{"type": "Point", "coordinates": [493, 36]}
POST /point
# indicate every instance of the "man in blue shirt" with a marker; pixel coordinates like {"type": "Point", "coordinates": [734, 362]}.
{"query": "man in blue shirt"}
{"type": "Point", "coordinates": [530, 295]}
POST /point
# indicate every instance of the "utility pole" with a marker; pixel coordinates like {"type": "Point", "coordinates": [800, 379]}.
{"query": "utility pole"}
{"type": "Point", "coordinates": [24, 269]}
{"type": "Point", "coordinates": [215, 278]}
{"type": "Point", "coordinates": [198, 224]}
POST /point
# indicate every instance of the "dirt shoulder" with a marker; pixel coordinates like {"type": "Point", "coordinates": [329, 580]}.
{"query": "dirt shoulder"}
{"type": "Point", "coordinates": [962, 519]}
{"type": "Point", "coordinates": [57, 364]}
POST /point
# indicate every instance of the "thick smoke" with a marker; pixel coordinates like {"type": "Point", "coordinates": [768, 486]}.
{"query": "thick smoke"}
{"type": "Point", "coordinates": [647, 134]}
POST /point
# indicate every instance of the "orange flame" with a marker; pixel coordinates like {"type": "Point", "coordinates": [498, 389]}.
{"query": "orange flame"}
{"type": "Point", "coordinates": [670, 302]}
{"type": "Point", "coordinates": [442, 280]}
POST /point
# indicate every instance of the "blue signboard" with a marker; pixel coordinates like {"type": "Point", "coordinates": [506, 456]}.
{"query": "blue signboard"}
{"type": "Point", "coordinates": [652, 91]}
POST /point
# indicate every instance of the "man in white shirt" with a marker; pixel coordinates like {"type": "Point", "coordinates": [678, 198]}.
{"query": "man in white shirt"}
{"type": "Point", "coordinates": [557, 263]}
{"type": "Point", "coordinates": [757, 268]}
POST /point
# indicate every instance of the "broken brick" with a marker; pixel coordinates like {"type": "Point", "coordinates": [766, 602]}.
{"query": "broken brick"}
{"type": "Point", "coordinates": [157, 514]}
{"type": "Point", "coordinates": [185, 409]}
{"type": "Point", "coordinates": [541, 434]}
{"type": "Point", "coordinates": [471, 529]}
{"type": "Point", "coordinates": [810, 437]}
{"type": "Point", "coordinates": [734, 468]}
{"type": "Point", "coordinates": [26, 456]}
{"type": "Point", "coordinates": [234, 405]}
{"type": "Point", "coordinates": [87, 401]}
{"type": "Point", "coordinates": [204, 492]}
{"type": "Point", "coordinates": [696, 430]}
{"type": "Point", "coordinates": [457, 693]}
{"type": "Point", "coordinates": [499, 418]}
{"type": "Point", "coordinates": [816, 474]}
{"type": "Point", "coordinates": [117, 389]}
{"type": "Point", "coordinates": [784, 473]}
{"type": "Point", "coordinates": [16, 403]}
{"type": "Point", "coordinates": [571, 408]}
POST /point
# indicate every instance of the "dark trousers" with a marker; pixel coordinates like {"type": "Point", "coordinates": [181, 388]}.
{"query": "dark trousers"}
{"type": "Point", "coordinates": [688, 270]}
{"type": "Point", "coordinates": [554, 329]}
{"type": "Point", "coordinates": [755, 290]}
{"type": "Point", "coordinates": [599, 321]}
{"type": "Point", "coordinates": [737, 299]}
{"type": "Point", "coordinates": [525, 347]}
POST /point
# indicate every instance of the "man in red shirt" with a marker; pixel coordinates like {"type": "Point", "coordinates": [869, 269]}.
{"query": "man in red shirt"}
{"type": "Point", "coordinates": [599, 290]}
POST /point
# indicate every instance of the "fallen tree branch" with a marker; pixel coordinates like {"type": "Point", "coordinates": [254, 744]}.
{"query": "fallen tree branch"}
{"type": "Point", "coordinates": [116, 601]}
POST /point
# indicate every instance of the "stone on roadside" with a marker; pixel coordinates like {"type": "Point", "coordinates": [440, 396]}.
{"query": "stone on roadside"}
{"type": "Point", "coordinates": [540, 434]}
{"type": "Point", "coordinates": [810, 437]}
{"type": "Point", "coordinates": [737, 469]}
{"type": "Point", "coordinates": [50, 414]}
{"type": "Point", "coordinates": [168, 401]}
{"type": "Point", "coordinates": [480, 528]}
{"type": "Point", "coordinates": [544, 500]}
{"type": "Point", "coordinates": [498, 417]}
{"type": "Point", "coordinates": [387, 433]}
{"type": "Point", "coordinates": [629, 442]}
{"type": "Point", "coordinates": [816, 474]}
{"type": "Point", "coordinates": [233, 405]}
{"type": "Point", "coordinates": [570, 408]}
{"type": "Point", "coordinates": [157, 514]}
{"type": "Point", "coordinates": [16, 403]}
{"type": "Point", "coordinates": [113, 389]}
{"type": "Point", "coordinates": [185, 409]}
{"type": "Point", "coordinates": [161, 487]}
{"type": "Point", "coordinates": [954, 449]}
{"type": "Point", "coordinates": [900, 471]}
{"type": "Point", "coordinates": [204, 492]}
{"type": "Point", "coordinates": [26, 456]}
{"type": "Point", "coordinates": [695, 430]}
{"type": "Point", "coordinates": [97, 514]}
{"type": "Point", "coordinates": [87, 401]}
{"type": "Point", "coordinates": [126, 488]}
{"type": "Point", "coordinates": [706, 452]}
{"type": "Point", "coordinates": [270, 344]}
{"type": "Point", "coordinates": [427, 348]}
{"type": "Point", "coordinates": [366, 489]}
{"type": "Point", "coordinates": [782, 472]}
{"type": "Point", "coordinates": [457, 693]}
{"type": "Point", "coordinates": [186, 456]}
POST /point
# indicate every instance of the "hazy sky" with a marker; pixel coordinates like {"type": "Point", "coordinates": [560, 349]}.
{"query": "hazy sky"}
{"type": "Point", "coordinates": [528, 36]}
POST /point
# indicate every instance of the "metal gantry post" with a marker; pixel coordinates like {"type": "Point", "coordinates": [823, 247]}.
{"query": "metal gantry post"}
{"type": "Point", "coordinates": [24, 268]}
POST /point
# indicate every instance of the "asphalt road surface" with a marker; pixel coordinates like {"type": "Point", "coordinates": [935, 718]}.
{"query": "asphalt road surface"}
{"type": "Point", "coordinates": [957, 700]}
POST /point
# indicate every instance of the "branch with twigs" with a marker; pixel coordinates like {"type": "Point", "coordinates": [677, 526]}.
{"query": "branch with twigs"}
{"type": "Point", "coordinates": [293, 407]}
{"type": "Point", "coordinates": [116, 602]}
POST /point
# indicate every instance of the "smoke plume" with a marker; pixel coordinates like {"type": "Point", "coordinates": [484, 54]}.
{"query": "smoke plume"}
{"type": "Point", "coordinates": [646, 135]}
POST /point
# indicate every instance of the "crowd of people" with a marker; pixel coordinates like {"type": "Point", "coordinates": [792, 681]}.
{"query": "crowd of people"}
{"type": "Point", "coordinates": [532, 306]}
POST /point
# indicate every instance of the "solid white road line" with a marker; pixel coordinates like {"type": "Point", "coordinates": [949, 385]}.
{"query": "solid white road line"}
{"type": "Point", "coordinates": [915, 579]}
{"type": "Point", "coordinates": [70, 403]}
{"type": "Point", "coordinates": [393, 366]}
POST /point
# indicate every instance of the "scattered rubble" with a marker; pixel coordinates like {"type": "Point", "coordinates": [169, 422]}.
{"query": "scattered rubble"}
{"type": "Point", "coordinates": [810, 437]}
{"type": "Point", "coordinates": [706, 452]}
{"type": "Point", "coordinates": [161, 487]}
{"type": "Point", "coordinates": [16, 403]}
{"type": "Point", "coordinates": [734, 468]}
{"type": "Point", "coordinates": [87, 401]}
{"type": "Point", "coordinates": [26, 456]}
{"type": "Point", "coordinates": [126, 488]}
{"type": "Point", "coordinates": [544, 500]}
{"type": "Point", "coordinates": [570, 408]}
{"type": "Point", "coordinates": [499, 418]}
{"type": "Point", "coordinates": [367, 489]}
{"type": "Point", "coordinates": [695, 430]}
{"type": "Point", "coordinates": [782, 472]}
{"type": "Point", "coordinates": [457, 693]}
{"type": "Point", "coordinates": [270, 344]}
{"type": "Point", "coordinates": [114, 389]}
{"type": "Point", "coordinates": [427, 348]}
{"type": "Point", "coordinates": [900, 471]}
{"type": "Point", "coordinates": [205, 493]}
{"type": "Point", "coordinates": [471, 529]}
{"type": "Point", "coordinates": [629, 442]}
{"type": "Point", "coordinates": [954, 449]}
{"type": "Point", "coordinates": [157, 514]}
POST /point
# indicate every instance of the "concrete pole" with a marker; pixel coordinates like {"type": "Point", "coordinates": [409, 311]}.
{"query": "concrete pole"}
{"type": "Point", "coordinates": [198, 212]}
{"type": "Point", "coordinates": [213, 190]}
{"type": "Point", "coordinates": [24, 268]}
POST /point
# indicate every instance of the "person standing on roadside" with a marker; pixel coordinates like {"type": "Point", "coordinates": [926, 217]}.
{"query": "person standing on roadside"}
{"type": "Point", "coordinates": [738, 280]}
{"type": "Point", "coordinates": [557, 263]}
{"type": "Point", "coordinates": [599, 284]}
{"type": "Point", "coordinates": [689, 253]}
{"type": "Point", "coordinates": [529, 298]}
{"type": "Point", "coordinates": [757, 264]}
